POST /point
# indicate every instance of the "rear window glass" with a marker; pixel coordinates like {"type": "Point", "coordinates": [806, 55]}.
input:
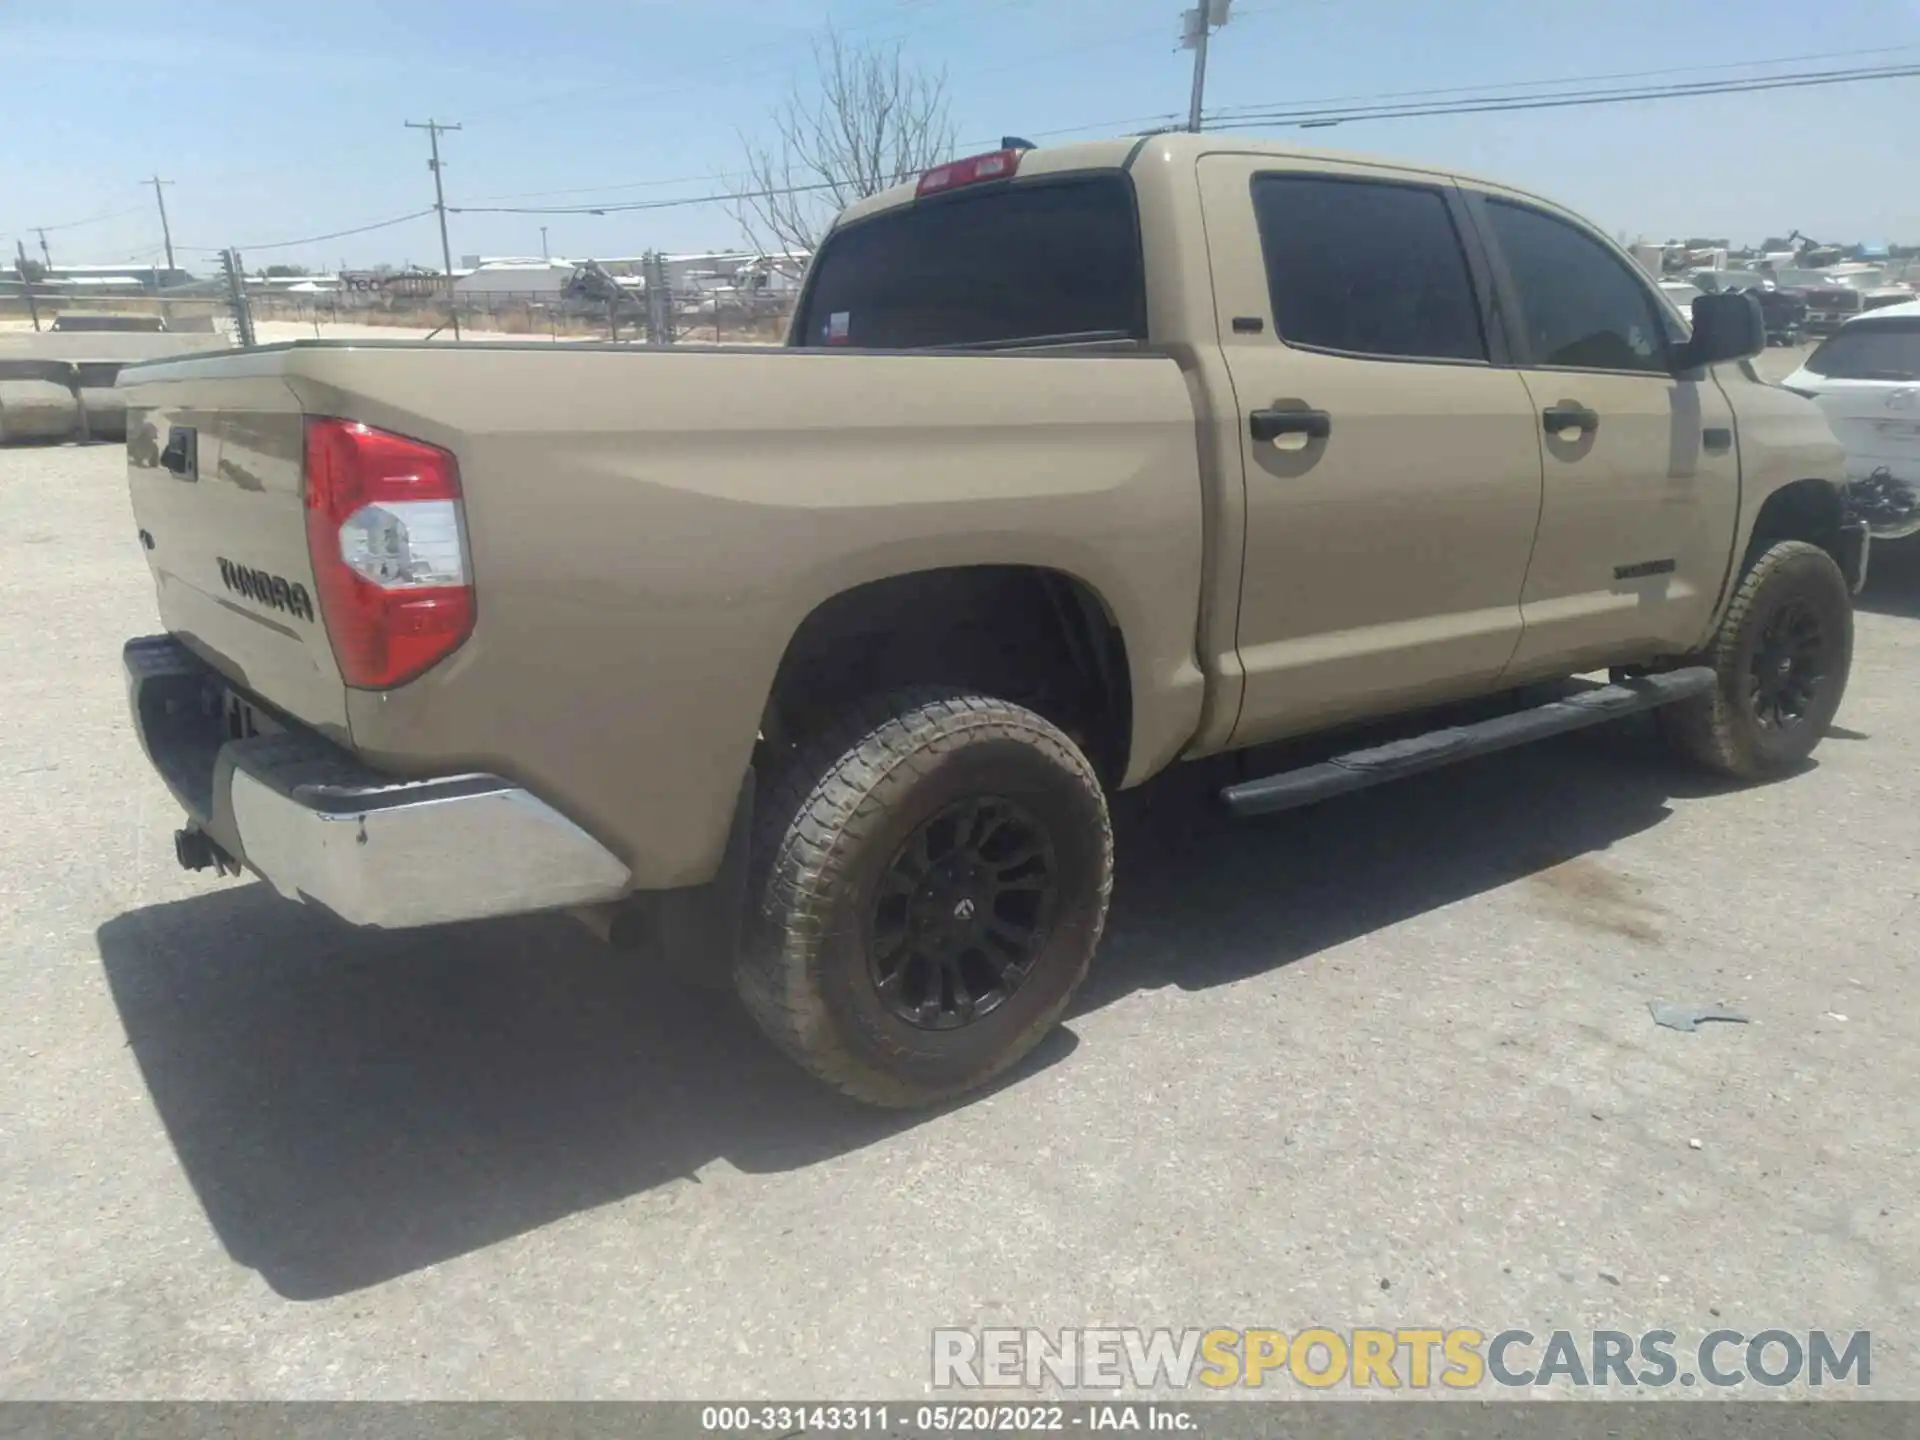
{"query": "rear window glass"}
{"type": "Point", "coordinates": [1870, 350]}
{"type": "Point", "coordinates": [1009, 265]}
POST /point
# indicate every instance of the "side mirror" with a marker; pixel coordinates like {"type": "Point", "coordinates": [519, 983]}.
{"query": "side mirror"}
{"type": "Point", "coordinates": [1725, 327]}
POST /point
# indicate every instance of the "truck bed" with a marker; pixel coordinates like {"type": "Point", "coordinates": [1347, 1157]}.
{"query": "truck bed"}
{"type": "Point", "coordinates": [647, 529]}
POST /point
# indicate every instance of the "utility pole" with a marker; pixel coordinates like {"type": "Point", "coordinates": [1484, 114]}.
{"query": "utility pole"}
{"type": "Point", "coordinates": [26, 283]}
{"type": "Point", "coordinates": [545, 254]}
{"type": "Point", "coordinates": [45, 254]}
{"type": "Point", "coordinates": [1196, 25]}
{"type": "Point", "coordinates": [166, 232]}
{"type": "Point", "coordinates": [433, 129]}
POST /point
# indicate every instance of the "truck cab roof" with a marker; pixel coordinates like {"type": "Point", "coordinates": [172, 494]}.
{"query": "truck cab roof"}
{"type": "Point", "coordinates": [1131, 152]}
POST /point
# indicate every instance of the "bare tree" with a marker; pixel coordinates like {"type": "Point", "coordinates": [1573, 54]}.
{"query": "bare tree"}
{"type": "Point", "coordinates": [871, 121]}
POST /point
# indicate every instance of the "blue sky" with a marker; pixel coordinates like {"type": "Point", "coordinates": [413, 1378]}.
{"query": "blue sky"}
{"type": "Point", "coordinates": [280, 122]}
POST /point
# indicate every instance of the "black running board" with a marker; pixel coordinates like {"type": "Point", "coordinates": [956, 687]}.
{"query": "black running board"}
{"type": "Point", "coordinates": [1376, 766]}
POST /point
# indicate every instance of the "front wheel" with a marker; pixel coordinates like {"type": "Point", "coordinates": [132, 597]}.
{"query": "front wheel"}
{"type": "Point", "coordinates": [1782, 655]}
{"type": "Point", "coordinates": [931, 881]}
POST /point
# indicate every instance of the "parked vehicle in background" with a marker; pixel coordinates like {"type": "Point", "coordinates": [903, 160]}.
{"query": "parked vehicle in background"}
{"type": "Point", "coordinates": [1829, 306]}
{"type": "Point", "coordinates": [1205, 444]}
{"type": "Point", "coordinates": [1837, 293]}
{"type": "Point", "coordinates": [1681, 294]}
{"type": "Point", "coordinates": [1866, 379]}
{"type": "Point", "coordinates": [1784, 314]}
{"type": "Point", "coordinates": [1885, 297]}
{"type": "Point", "coordinates": [1728, 282]}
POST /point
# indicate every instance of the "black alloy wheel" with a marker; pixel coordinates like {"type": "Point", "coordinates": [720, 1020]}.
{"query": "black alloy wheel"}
{"type": "Point", "coordinates": [963, 912]}
{"type": "Point", "coordinates": [1781, 655]}
{"type": "Point", "coordinates": [1790, 664]}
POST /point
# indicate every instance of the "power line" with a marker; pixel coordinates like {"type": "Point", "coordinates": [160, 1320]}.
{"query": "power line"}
{"type": "Point", "coordinates": [152, 255]}
{"type": "Point", "coordinates": [91, 219]}
{"type": "Point", "coordinates": [1308, 117]}
{"type": "Point", "coordinates": [609, 188]}
{"type": "Point", "coordinates": [1227, 111]}
{"type": "Point", "coordinates": [1158, 119]}
{"type": "Point", "coordinates": [1317, 113]}
{"type": "Point", "coordinates": [632, 205]}
{"type": "Point", "coordinates": [1312, 118]}
{"type": "Point", "coordinates": [316, 239]}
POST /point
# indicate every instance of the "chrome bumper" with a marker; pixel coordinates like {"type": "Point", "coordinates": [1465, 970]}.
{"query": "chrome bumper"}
{"type": "Point", "coordinates": [320, 827]}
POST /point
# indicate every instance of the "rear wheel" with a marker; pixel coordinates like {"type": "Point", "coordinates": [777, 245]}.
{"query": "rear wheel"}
{"type": "Point", "coordinates": [1782, 655]}
{"type": "Point", "coordinates": [931, 880]}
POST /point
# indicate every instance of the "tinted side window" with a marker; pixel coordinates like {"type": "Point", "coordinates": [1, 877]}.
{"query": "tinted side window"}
{"type": "Point", "coordinates": [1372, 269]}
{"type": "Point", "coordinates": [1580, 307]}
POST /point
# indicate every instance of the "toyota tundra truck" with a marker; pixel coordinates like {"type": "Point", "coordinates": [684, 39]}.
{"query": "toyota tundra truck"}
{"type": "Point", "coordinates": [814, 667]}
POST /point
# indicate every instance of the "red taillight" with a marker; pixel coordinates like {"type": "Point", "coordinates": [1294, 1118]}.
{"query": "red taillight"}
{"type": "Point", "coordinates": [389, 551]}
{"type": "Point", "coordinates": [994, 165]}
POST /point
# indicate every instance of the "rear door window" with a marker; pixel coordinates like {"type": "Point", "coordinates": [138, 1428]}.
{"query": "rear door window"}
{"type": "Point", "coordinates": [1870, 350]}
{"type": "Point", "coordinates": [1366, 268]}
{"type": "Point", "coordinates": [1022, 263]}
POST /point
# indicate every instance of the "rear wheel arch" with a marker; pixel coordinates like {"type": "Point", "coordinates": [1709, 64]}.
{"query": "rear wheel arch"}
{"type": "Point", "coordinates": [1030, 634]}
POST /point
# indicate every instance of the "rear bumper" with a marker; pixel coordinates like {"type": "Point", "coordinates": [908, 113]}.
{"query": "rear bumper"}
{"type": "Point", "coordinates": [320, 827]}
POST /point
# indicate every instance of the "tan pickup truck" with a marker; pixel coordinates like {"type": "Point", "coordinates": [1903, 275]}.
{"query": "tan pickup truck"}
{"type": "Point", "coordinates": [816, 665]}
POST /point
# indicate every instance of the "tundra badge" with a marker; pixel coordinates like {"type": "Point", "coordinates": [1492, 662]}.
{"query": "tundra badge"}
{"type": "Point", "coordinates": [272, 590]}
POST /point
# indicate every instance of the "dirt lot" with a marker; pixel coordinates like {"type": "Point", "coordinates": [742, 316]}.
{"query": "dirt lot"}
{"type": "Point", "coordinates": [1386, 1062]}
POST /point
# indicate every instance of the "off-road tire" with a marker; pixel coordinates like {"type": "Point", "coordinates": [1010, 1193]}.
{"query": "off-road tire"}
{"type": "Point", "coordinates": [1721, 730]}
{"type": "Point", "coordinates": [836, 811]}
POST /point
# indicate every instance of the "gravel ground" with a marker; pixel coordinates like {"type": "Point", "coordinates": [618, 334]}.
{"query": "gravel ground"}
{"type": "Point", "coordinates": [1384, 1062]}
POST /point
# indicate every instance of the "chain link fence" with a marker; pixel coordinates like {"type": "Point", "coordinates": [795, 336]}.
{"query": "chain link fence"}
{"type": "Point", "coordinates": [200, 308]}
{"type": "Point", "coordinates": [697, 316]}
{"type": "Point", "coordinates": [411, 305]}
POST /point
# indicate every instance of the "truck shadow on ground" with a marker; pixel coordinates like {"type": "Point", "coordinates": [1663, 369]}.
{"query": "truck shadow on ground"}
{"type": "Point", "coordinates": [353, 1107]}
{"type": "Point", "coordinates": [1200, 900]}
{"type": "Point", "coordinates": [1893, 580]}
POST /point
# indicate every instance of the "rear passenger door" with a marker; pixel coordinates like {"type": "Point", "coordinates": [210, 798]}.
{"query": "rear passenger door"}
{"type": "Point", "coordinates": [1642, 474]}
{"type": "Point", "coordinates": [1392, 467]}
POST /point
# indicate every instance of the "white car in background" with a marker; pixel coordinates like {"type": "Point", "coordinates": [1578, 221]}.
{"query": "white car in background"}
{"type": "Point", "coordinates": [1866, 377]}
{"type": "Point", "coordinates": [1682, 293]}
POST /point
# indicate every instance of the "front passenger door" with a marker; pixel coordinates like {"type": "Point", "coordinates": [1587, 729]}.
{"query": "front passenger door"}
{"type": "Point", "coordinates": [1642, 473]}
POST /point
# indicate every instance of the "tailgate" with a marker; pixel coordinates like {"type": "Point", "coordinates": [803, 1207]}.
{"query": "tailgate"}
{"type": "Point", "coordinates": [214, 466]}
